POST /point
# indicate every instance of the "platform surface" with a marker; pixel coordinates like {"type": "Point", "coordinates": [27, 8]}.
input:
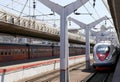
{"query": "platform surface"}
{"type": "Point", "coordinates": [116, 76]}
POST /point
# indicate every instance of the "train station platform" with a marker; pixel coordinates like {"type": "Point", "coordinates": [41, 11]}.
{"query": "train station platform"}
{"type": "Point", "coordinates": [116, 76]}
{"type": "Point", "coordinates": [17, 72]}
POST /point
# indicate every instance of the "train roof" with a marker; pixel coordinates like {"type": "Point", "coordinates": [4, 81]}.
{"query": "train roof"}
{"type": "Point", "coordinates": [105, 43]}
{"type": "Point", "coordinates": [38, 45]}
{"type": "Point", "coordinates": [13, 44]}
{"type": "Point", "coordinates": [16, 44]}
{"type": "Point", "coordinates": [26, 44]}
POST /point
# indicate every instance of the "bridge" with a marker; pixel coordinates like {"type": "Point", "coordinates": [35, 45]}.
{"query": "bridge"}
{"type": "Point", "coordinates": [15, 25]}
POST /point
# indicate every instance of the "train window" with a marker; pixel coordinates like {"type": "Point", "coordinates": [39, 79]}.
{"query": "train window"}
{"type": "Point", "coordinates": [23, 52]}
{"type": "Point", "coordinates": [103, 49]}
{"type": "Point", "coordinates": [29, 50]}
{"type": "Point", "coordinates": [34, 51]}
{"type": "Point", "coordinates": [19, 52]}
{"type": "Point", "coordinates": [5, 52]}
{"type": "Point", "coordinates": [1, 53]}
{"type": "Point", "coordinates": [12, 52]}
{"type": "Point", "coordinates": [15, 51]}
{"type": "Point", "coordinates": [9, 52]}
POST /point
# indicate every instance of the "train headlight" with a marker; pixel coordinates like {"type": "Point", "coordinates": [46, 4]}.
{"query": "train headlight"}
{"type": "Point", "coordinates": [107, 58]}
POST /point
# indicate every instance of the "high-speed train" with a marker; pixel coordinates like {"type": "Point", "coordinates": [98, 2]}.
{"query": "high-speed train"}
{"type": "Point", "coordinates": [105, 56]}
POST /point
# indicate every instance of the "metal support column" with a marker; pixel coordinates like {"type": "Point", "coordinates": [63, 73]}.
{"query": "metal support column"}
{"type": "Point", "coordinates": [87, 32]}
{"type": "Point", "coordinates": [87, 28]}
{"type": "Point", "coordinates": [64, 49]}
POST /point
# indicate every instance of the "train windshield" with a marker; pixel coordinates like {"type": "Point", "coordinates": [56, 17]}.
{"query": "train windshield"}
{"type": "Point", "coordinates": [103, 49]}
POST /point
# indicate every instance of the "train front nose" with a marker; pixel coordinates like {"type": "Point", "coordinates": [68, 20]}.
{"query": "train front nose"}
{"type": "Point", "coordinates": [102, 52]}
{"type": "Point", "coordinates": [102, 57]}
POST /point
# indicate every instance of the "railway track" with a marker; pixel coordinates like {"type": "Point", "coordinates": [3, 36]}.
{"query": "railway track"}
{"type": "Point", "coordinates": [99, 77]}
{"type": "Point", "coordinates": [54, 74]}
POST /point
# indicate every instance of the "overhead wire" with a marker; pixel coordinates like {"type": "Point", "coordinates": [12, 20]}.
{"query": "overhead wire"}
{"type": "Point", "coordinates": [88, 11]}
{"type": "Point", "coordinates": [105, 4]}
{"type": "Point", "coordinates": [35, 9]}
{"type": "Point", "coordinates": [16, 1]}
{"type": "Point", "coordinates": [9, 4]}
{"type": "Point", "coordinates": [98, 14]}
{"type": "Point", "coordinates": [31, 8]}
{"type": "Point", "coordinates": [94, 9]}
{"type": "Point", "coordinates": [25, 5]}
{"type": "Point", "coordinates": [47, 16]}
{"type": "Point", "coordinates": [95, 12]}
{"type": "Point", "coordinates": [12, 9]}
{"type": "Point", "coordinates": [23, 8]}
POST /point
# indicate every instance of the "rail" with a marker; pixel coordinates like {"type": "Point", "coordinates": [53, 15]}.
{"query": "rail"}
{"type": "Point", "coordinates": [99, 77]}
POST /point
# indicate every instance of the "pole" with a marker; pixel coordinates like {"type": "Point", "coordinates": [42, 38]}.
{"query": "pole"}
{"type": "Point", "coordinates": [64, 51]}
{"type": "Point", "coordinates": [87, 47]}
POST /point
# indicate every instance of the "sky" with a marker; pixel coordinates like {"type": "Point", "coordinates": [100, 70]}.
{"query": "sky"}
{"type": "Point", "coordinates": [13, 6]}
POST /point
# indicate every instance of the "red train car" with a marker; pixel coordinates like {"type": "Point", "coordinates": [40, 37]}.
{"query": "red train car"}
{"type": "Point", "coordinates": [38, 51]}
{"type": "Point", "coordinates": [56, 51]}
{"type": "Point", "coordinates": [11, 52]}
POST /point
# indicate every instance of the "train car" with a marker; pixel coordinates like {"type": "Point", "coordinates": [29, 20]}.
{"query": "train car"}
{"type": "Point", "coordinates": [73, 51]}
{"type": "Point", "coordinates": [39, 51]}
{"type": "Point", "coordinates": [56, 51]}
{"type": "Point", "coordinates": [105, 56]}
{"type": "Point", "coordinates": [12, 52]}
